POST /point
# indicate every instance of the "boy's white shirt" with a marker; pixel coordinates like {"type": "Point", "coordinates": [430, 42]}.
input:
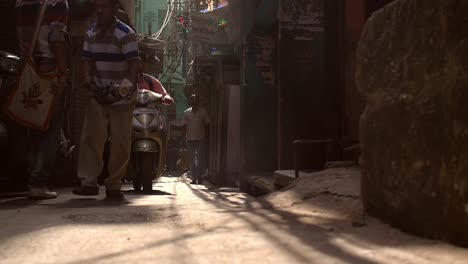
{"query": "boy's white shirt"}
{"type": "Point", "coordinates": [195, 123]}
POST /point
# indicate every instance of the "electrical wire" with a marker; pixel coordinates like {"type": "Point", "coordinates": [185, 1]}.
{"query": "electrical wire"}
{"type": "Point", "coordinates": [167, 19]}
{"type": "Point", "coordinates": [156, 35]}
{"type": "Point", "coordinates": [173, 58]}
{"type": "Point", "coordinates": [163, 26]}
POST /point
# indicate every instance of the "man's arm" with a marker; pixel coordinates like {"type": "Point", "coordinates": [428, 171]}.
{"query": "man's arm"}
{"type": "Point", "coordinates": [87, 66]}
{"type": "Point", "coordinates": [88, 62]}
{"type": "Point", "coordinates": [60, 52]}
{"type": "Point", "coordinates": [58, 39]}
{"type": "Point", "coordinates": [59, 49]}
{"type": "Point", "coordinates": [159, 88]}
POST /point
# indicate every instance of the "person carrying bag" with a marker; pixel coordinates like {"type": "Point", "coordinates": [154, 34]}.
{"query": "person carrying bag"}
{"type": "Point", "coordinates": [37, 98]}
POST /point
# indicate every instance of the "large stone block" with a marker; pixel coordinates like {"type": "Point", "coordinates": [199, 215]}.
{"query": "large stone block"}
{"type": "Point", "coordinates": [413, 70]}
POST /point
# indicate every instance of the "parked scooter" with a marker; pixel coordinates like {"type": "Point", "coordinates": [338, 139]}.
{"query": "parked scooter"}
{"type": "Point", "coordinates": [12, 143]}
{"type": "Point", "coordinates": [149, 140]}
{"type": "Point", "coordinates": [9, 65]}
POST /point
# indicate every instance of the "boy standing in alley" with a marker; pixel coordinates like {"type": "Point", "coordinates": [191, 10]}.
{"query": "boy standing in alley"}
{"type": "Point", "coordinates": [196, 122]}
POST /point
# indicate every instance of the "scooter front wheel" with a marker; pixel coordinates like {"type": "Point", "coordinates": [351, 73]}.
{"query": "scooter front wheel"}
{"type": "Point", "coordinates": [146, 171]}
{"type": "Point", "coordinates": [133, 174]}
{"type": "Point", "coordinates": [137, 185]}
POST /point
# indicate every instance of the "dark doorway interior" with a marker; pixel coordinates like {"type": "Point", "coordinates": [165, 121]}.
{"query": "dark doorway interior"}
{"type": "Point", "coordinates": [374, 5]}
{"type": "Point", "coordinates": [311, 80]}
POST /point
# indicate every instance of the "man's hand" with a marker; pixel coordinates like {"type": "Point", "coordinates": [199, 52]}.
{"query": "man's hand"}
{"type": "Point", "coordinates": [59, 86]}
{"type": "Point", "coordinates": [88, 83]}
{"type": "Point", "coordinates": [167, 100]}
{"type": "Point", "coordinates": [90, 87]}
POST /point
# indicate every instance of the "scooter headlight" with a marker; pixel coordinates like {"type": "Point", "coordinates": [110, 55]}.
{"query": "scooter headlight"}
{"type": "Point", "coordinates": [145, 119]}
{"type": "Point", "coordinates": [143, 97]}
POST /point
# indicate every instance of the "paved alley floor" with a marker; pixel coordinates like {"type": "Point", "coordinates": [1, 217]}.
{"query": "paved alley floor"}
{"type": "Point", "coordinates": [183, 223]}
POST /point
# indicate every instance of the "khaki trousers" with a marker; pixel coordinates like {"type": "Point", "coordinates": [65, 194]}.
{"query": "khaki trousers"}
{"type": "Point", "coordinates": [93, 138]}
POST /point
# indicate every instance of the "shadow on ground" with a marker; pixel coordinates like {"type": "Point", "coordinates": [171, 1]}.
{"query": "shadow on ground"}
{"type": "Point", "coordinates": [260, 214]}
{"type": "Point", "coordinates": [319, 236]}
{"type": "Point", "coordinates": [153, 192]}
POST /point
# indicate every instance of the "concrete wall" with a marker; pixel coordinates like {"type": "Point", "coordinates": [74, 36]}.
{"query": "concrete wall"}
{"type": "Point", "coordinates": [414, 130]}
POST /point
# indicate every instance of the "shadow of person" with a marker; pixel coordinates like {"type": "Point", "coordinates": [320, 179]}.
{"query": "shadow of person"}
{"type": "Point", "coordinates": [153, 192]}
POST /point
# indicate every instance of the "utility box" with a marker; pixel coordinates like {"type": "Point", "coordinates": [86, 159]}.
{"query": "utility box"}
{"type": "Point", "coordinates": [217, 81]}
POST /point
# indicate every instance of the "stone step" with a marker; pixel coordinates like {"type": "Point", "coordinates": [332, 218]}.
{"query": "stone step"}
{"type": "Point", "coordinates": [283, 178]}
{"type": "Point", "coordinates": [263, 182]}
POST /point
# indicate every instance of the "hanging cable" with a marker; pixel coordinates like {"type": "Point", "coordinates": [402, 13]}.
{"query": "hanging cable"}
{"type": "Point", "coordinates": [167, 19]}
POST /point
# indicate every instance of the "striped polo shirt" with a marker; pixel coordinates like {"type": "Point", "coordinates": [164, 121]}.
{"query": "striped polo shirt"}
{"type": "Point", "coordinates": [111, 52]}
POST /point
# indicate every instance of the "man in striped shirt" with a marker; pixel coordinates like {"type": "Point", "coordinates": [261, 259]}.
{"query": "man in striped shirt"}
{"type": "Point", "coordinates": [110, 54]}
{"type": "Point", "coordinates": [49, 56]}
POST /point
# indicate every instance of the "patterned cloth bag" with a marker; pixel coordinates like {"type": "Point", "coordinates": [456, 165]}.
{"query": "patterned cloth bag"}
{"type": "Point", "coordinates": [33, 96]}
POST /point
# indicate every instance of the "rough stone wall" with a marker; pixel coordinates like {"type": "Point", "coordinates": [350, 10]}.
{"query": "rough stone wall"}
{"type": "Point", "coordinates": [413, 70]}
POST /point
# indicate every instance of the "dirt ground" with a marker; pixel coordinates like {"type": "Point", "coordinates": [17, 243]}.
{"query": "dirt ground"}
{"type": "Point", "coordinates": [316, 220]}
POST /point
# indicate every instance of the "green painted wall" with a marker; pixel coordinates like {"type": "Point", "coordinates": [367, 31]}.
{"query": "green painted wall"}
{"type": "Point", "coordinates": [159, 8]}
{"type": "Point", "coordinates": [144, 7]}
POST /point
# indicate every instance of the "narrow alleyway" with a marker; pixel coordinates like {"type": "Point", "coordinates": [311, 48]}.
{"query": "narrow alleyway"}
{"type": "Point", "coordinates": [183, 223]}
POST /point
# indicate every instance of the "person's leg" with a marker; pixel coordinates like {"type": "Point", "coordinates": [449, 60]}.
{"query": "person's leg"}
{"type": "Point", "coordinates": [93, 138]}
{"type": "Point", "coordinates": [200, 160]}
{"type": "Point", "coordinates": [192, 148]}
{"type": "Point", "coordinates": [43, 158]}
{"type": "Point", "coordinates": [37, 177]}
{"type": "Point", "coordinates": [120, 146]}
{"type": "Point", "coordinates": [203, 158]}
